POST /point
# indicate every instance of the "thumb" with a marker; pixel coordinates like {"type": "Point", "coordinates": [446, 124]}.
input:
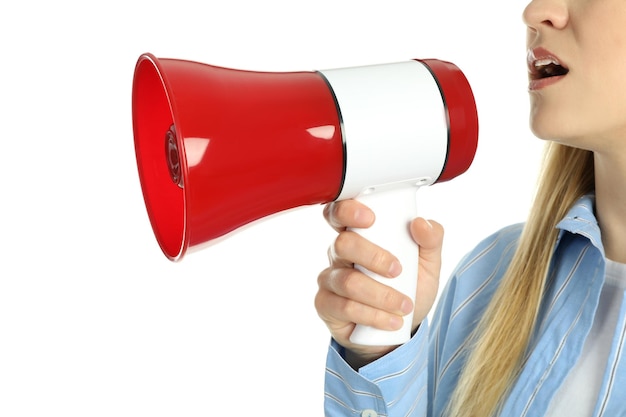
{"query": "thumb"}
{"type": "Point", "coordinates": [428, 234]}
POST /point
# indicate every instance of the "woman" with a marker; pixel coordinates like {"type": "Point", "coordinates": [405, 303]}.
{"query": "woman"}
{"type": "Point", "coordinates": [533, 320]}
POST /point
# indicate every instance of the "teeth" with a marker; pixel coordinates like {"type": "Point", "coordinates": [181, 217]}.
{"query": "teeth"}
{"type": "Point", "coordinates": [545, 61]}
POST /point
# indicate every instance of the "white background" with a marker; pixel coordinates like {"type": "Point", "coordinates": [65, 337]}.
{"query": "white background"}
{"type": "Point", "coordinates": [94, 321]}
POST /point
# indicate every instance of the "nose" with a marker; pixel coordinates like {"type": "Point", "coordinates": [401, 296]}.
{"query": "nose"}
{"type": "Point", "coordinates": [546, 13]}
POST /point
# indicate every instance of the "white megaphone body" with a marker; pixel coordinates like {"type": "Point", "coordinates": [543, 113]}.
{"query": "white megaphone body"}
{"type": "Point", "coordinates": [219, 148]}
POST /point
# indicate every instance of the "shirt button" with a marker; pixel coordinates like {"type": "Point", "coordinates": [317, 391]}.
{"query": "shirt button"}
{"type": "Point", "coordinates": [369, 413]}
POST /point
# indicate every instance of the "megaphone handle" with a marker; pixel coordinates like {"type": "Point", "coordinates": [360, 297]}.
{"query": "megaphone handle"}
{"type": "Point", "coordinates": [394, 210]}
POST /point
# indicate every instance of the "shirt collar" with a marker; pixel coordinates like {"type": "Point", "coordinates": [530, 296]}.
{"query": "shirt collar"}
{"type": "Point", "coordinates": [581, 220]}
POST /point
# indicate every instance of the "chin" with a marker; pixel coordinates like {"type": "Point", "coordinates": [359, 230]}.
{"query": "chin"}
{"type": "Point", "coordinates": [549, 127]}
{"type": "Point", "coordinates": [560, 137]}
{"type": "Point", "coordinates": [541, 131]}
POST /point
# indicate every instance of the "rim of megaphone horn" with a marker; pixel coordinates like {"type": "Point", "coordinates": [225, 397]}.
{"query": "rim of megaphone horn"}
{"type": "Point", "coordinates": [176, 162]}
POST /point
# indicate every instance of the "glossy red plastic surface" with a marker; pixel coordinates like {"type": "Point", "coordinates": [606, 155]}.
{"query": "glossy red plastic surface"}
{"type": "Point", "coordinates": [250, 144]}
{"type": "Point", "coordinates": [462, 117]}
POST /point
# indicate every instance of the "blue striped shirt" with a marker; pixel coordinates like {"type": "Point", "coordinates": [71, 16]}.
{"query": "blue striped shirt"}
{"type": "Point", "coordinates": [418, 377]}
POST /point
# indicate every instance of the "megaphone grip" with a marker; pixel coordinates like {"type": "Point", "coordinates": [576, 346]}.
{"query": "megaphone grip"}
{"type": "Point", "coordinates": [394, 210]}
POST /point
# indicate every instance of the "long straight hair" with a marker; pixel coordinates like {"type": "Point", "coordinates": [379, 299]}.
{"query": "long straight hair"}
{"type": "Point", "coordinates": [500, 340]}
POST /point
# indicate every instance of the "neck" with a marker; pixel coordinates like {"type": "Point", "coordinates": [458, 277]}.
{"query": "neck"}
{"type": "Point", "coordinates": [610, 184]}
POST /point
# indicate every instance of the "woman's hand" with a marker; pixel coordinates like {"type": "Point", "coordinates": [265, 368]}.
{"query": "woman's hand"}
{"type": "Point", "coordinates": [347, 297]}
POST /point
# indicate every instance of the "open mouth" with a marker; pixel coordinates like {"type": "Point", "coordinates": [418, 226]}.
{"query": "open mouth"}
{"type": "Point", "coordinates": [546, 68]}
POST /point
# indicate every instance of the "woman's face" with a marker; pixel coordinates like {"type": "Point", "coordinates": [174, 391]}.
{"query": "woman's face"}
{"type": "Point", "coordinates": [577, 71]}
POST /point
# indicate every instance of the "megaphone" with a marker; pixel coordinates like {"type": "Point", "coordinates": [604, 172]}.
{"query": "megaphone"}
{"type": "Point", "coordinates": [219, 148]}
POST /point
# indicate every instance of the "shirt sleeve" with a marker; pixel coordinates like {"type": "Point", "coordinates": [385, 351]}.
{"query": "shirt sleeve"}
{"type": "Point", "coordinates": [394, 385]}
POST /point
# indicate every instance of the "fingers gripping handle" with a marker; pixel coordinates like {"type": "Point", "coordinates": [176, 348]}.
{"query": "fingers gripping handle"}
{"type": "Point", "coordinates": [394, 210]}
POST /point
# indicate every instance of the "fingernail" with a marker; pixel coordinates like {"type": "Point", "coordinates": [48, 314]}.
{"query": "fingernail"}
{"type": "Point", "coordinates": [364, 216]}
{"type": "Point", "coordinates": [395, 269]}
{"type": "Point", "coordinates": [429, 223]}
{"type": "Point", "coordinates": [395, 322]}
{"type": "Point", "coordinates": [406, 307]}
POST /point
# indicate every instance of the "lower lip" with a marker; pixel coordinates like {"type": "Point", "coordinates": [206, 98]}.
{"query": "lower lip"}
{"type": "Point", "coordinates": [534, 85]}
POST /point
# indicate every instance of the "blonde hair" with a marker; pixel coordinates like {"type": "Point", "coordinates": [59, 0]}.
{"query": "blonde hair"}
{"type": "Point", "coordinates": [500, 341]}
